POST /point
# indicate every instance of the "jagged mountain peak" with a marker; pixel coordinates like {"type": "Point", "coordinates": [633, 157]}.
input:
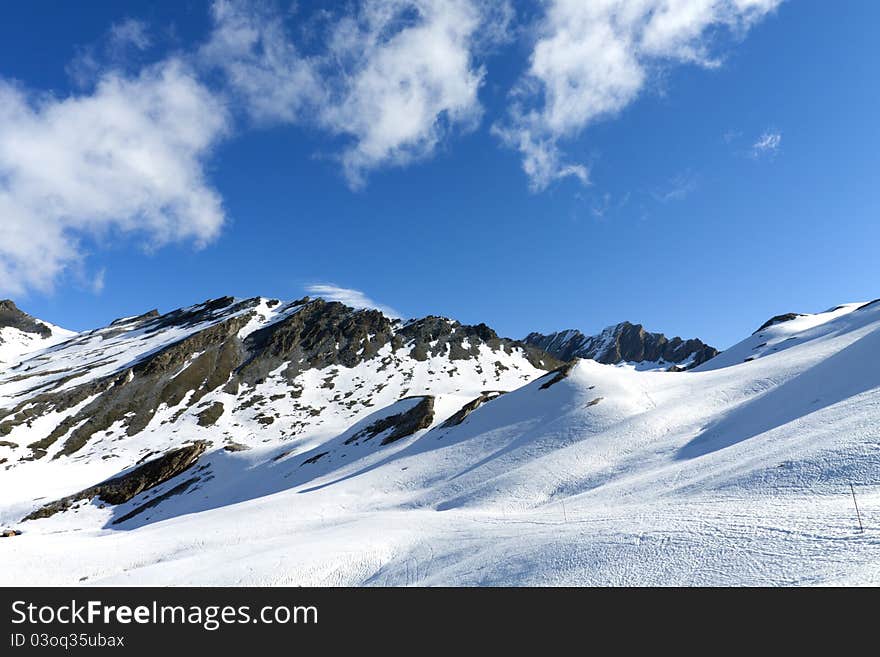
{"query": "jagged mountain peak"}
{"type": "Point", "coordinates": [625, 342]}
{"type": "Point", "coordinates": [283, 369]}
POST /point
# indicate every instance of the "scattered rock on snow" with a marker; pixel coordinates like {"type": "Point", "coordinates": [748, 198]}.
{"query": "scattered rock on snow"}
{"type": "Point", "coordinates": [125, 486]}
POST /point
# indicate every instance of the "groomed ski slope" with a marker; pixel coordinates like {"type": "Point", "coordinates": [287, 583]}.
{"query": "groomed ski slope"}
{"type": "Point", "coordinates": [736, 473]}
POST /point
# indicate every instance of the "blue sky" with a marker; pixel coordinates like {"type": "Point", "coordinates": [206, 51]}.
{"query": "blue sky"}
{"type": "Point", "coordinates": [693, 166]}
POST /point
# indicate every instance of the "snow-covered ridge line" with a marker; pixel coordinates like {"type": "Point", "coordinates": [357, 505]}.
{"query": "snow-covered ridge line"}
{"type": "Point", "coordinates": [278, 368]}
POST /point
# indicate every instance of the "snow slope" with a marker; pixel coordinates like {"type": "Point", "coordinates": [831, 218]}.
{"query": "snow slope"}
{"type": "Point", "coordinates": [737, 472]}
{"type": "Point", "coordinates": [16, 345]}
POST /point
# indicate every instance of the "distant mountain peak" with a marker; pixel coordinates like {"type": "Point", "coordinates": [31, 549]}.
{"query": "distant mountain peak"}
{"type": "Point", "coordinates": [625, 343]}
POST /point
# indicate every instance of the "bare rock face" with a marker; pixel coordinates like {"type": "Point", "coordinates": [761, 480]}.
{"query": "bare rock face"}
{"type": "Point", "coordinates": [12, 317]}
{"type": "Point", "coordinates": [400, 425]}
{"type": "Point", "coordinates": [125, 486]}
{"type": "Point", "coordinates": [319, 334]}
{"type": "Point", "coordinates": [133, 395]}
{"type": "Point", "coordinates": [624, 343]}
{"type": "Point", "coordinates": [326, 333]}
{"type": "Point", "coordinates": [210, 415]}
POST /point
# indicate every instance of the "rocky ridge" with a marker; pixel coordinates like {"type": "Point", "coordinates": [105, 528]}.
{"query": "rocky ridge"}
{"type": "Point", "coordinates": [625, 343]}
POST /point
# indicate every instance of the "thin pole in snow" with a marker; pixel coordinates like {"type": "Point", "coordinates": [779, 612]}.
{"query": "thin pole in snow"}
{"type": "Point", "coordinates": [858, 515]}
{"type": "Point", "coordinates": [564, 514]}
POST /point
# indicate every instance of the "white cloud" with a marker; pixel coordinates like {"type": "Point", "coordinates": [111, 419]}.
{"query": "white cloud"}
{"type": "Point", "coordinates": [130, 33]}
{"type": "Point", "coordinates": [350, 297]}
{"type": "Point", "coordinates": [592, 59]}
{"type": "Point", "coordinates": [125, 159]}
{"type": "Point", "coordinates": [767, 144]}
{"type": "Point", "coordinates": [403, 90]}
{"type": "Point", "coordinates": [392, 78]}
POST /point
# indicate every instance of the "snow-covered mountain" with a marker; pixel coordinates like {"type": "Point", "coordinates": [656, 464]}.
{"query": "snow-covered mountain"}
{"type": "Point", "coordinates": [257, 442]}
{"type": "Point", "coordinates": [21, 334]}
{"type": "Point", "coordinates": [625, 344]}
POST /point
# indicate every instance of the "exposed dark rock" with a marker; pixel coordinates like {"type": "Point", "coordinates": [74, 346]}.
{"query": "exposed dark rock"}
{"type": "Point", "coordinates": [459, 416]}
{"type": "Point", "coordinates": [314, 459]}
{"type": "Point", "coordinates": [400, 425]}
{"type": "Point", "coordinates": [202, 312]}
{"type": "Point", "coordinates": [11, 316]}
{"type": "Point", "coordinates": [779, 319]}
{"type": "Point", "coordinates": [235, 447]}
{"type": "Point", "coordinates": [437, 336]}
{"type": "Point", "coordinates": [124, 321]}
{"type": "Point", "coordinates": [125, 486]}
{"type": "Point", "coordinates": [156, 501]}
{"type": "Point", "coordinates": [624, 343]}
{"type": "Point", "coordinates": [318, 335]}
{"type": "Point", "coordinates": [134, 394]}
{"type": "Point", "coordinates": [210, 415]}
{"type": "Point", "coordinates": [10, 533]}
{"type": "Point", "coordinates": [558, 375]}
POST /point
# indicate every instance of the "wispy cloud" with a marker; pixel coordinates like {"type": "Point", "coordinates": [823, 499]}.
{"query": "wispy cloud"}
{"type": "Point", "coordinates": [590, 60]}
{"type": "Point", "coordinates": [98, 281]}
{"type": "Point", "coordinates": [730, 136]}
{"type": "Point", "coordinates": [767, 145]}
{"type": "Point", "coordinates": [130, 33]}
{"type": "Point", "coordinates": [677, 188]}
{"type": "Point", "coordinates": [118, 49]}
{"type": "Point", "coordinates": [351, 297]}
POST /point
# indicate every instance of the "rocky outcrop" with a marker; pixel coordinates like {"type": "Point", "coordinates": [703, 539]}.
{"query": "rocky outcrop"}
{"type": "Point", "coordinates": [133, 395]}
{"type": "Point", "coordinates": [156, 501]}
{"type": "Point", "coordinates": [558, 375]}
{"type": "Point", "coordinates": [438, 336]}
{"type": "Point", "coordinates": [401, 425]}
{"type": "Point", "coordinates": [461, 415]}
{"type": "Point", "coordinates": [125, 486]}
{"type": "Point", "coordinates": [11, 316]}
{"type": "Point", "coordinates": [624, 343]}
{"type": "Point", "coordinates": [324, 333]}
{"type": "Point", "coordinates": [210, 415]}
{"type": "Point", "coordinates": [317, 335]}
{"type": "Point", "coordinates": [779, 319]}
